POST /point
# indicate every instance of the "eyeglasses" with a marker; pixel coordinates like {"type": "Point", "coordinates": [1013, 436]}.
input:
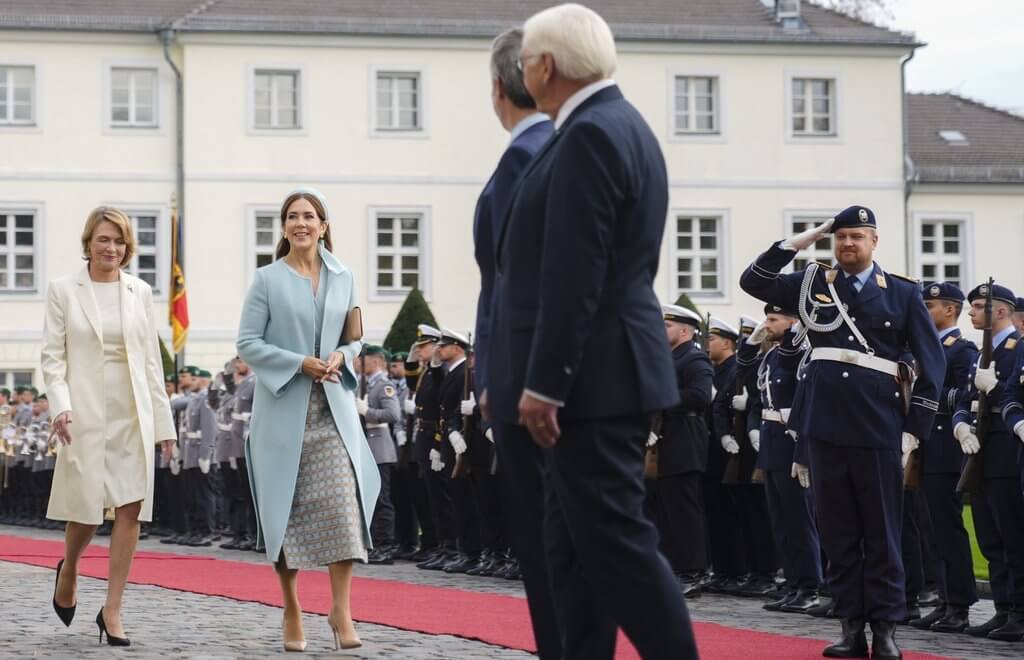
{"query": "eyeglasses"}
{"type": "Point", "coordinates": [521, 62]}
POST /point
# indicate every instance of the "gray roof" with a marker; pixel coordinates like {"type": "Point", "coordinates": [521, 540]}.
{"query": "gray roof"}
{"type": "Point", "coordinates": [673, 20]}
{"type": "Point", "coordinates": [994, 152]}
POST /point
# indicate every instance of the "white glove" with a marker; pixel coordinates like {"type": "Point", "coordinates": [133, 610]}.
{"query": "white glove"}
{"type": "Point", "coordinates": [755, 439]}
{"type": "Point", "coordinates": [985, 379]}
{"type": "Point", "coordinates": [729, 444]}
{"type": "Point", "coordinates": [362, 405]}
{"type": "Point", "coordinates": [910, 443]}
{"type": "Point", "coordinates": [410, 407]}
{"type": "Point", "coordinates": [489, 434]}
{"type": "Point", "coordinates": [969, 442]}
{"type": "Point", "coordinates": [806, 239]}
{"type": "Point", "coordinates": [233, 462]}
{"type": "Point", "coordinates": [1019, 430]}
{"type": "Point", "coordinates": [739, 402]}
{"type": "Point", "coordinates": [652, 439]}
{"type": "Point", "coordinates": [436, 464]}
{"type": "Point", "coordinates": [458, 442]}
{"type": "Point", "coordinates": [792, 434]}
{"type": "Point", "coordinates": [175, 467]}
{"type": "Point", "coordinates": [759, 333]}
{"type": "Point", "coordinates": [175, 452]}
{"type": "Point", "coordinates": [400, 438]}
{"type": "Point", "coordinates": [469, 404]}
{"type": "Point", "coordinates": [802, 474]}
{"type": "Point", "coordinates": [785, 414]}
{"type": "Point", "coordinates": [714, 392]}
{"type": "Point", "coordinates": [204, 465]}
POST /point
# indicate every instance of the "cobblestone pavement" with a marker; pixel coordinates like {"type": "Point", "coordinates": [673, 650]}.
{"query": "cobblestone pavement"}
{"type": "Point", "coordinates": [168, 623]}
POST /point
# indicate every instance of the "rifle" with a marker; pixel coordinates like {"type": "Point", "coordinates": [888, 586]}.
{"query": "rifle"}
{"type": "Point", "coordinates": [462, 466]}
{"type": "Point", "coordinates": [731, 475]}
{"type": "Point", "coordinates": [912, 470]}
{"type": "Point", "coordinates": [405, 451]}
{"type": "Point", "coordinates": [970, 477]}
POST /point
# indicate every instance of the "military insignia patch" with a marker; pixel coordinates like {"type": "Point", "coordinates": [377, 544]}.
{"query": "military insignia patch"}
{"type": "Point", "coordinates": [950, 340]}
{"type": "Point", "coordinates": [863, 215]}
{"type": "Point", "coordinates": [880, 280]}
{"type": "Point", "coordinates": [935, 291]}
{"type": "Point", "coordinates": [389, 391]}
{"type": "Point", "coordinates": [983, 289]}
{"type": "Point", "coordinates": [823, 298]}
{"type": "Point", "coordinates": [1011, 344]}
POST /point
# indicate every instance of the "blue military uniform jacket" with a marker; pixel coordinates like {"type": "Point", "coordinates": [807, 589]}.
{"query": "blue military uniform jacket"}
{"type": "Point", "coordinates": [684, 433]}
{"type": "Point", "coordinates": [942, 453]}
{"type": "Point", "coordinates": [848, 404]}
{"type": "Point", "coordinates": [1012, 404]}
{"type": "Point", "coordinates": [1001, 449]}
{"type": "Point", "coordinates": [721, 417]}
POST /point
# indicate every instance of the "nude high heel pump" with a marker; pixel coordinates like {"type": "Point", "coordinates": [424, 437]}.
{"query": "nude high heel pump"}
{"type": "Point", "coordinates": [298, 645]}
{"type": "Point", "coordinates": [340, 643]}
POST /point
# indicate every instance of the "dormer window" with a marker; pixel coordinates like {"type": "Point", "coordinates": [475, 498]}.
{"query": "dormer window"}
{"type": "Point", "coordinates": [954, 138]}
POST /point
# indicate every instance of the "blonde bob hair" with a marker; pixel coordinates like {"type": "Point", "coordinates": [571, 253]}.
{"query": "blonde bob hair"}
{"type": "Point", "coordinates": [118, 218]}
{"type": "Point", "coordinates": [576, 37]}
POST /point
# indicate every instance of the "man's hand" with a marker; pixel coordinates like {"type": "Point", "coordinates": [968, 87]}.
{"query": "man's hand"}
{"type": "Point", "coordinates": [410, 407]}
{"type": "Point", "coordinates": [458, 442]}
{"type": "Point", "coordinates": [730, 445]}
{"type": "Point", "coordinates": [204, 465]}
{"type": "Point", "coordinates": [755, 439]}
{"type": "Point", "coordinates": [436, 464]}
{"type": "Point", "coordinates": [468, 405]}
{"type": "Point", "coordinates": [910, 443]}
{"type": "Point", "coordinates": [802, 474]}
{"type": "Point", "coordinates": [806, 239]}
{"type": "Point", "coordinates": [969, 442]}
{"type": "Point", "coordinates": [540, 419]}
{"type": "Point", "coordinates": [362, 406]}
{"type": "Point", "coordinates": [489, 433]}
{"type": "Point", "coordinates": [62, 428]}
{"type": "Point", "coordinates": [985, 379]}
{"type": "Point", "coordinates": [400, 438]}
{"type": "Point", "coordinates": [652, 439]}
{"type": "Point", "coordinates": [739, 402]}
{"type": "Point", "coordinates": [759, 334]}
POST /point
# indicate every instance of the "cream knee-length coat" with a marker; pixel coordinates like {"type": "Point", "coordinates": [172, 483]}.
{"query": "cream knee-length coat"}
{"type": "Point", "coordinates": [72, 364]}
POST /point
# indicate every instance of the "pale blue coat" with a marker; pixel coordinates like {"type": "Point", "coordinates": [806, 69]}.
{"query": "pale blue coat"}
{"type": "Point", "coordinates": [276, 333]}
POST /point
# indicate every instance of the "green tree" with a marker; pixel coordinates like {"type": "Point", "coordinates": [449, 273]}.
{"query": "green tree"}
{"type": "Point", "coordinates": [403, 331]}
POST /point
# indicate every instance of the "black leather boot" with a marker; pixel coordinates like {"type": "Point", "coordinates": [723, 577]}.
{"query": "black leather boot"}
{"type": "Point", "coordinates": [955, 621]}
{"type": "Point", "coordinates": [925, 622]}
{"type": "Point", "coordinates": [998, 621]}
{"type": "Point", "coordinates": [804, 601]}
{"type": "Point", "coordinates": [883, 641]}
{"type": "Point", "coordinates": [1012, 630]}
{"type": "Point", "coordinates": [854, 643]}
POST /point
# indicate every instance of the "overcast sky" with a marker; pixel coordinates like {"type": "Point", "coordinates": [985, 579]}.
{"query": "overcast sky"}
{"type": "Point", "coordinates": [975, 47]}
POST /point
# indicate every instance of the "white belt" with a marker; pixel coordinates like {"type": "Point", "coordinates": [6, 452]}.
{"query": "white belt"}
{"type": "Point", "coordinates": [241, 417]}
{"type": "Point", "coordinates": [856, 357]}
{"type": "Point", "coordinates": [771, 416]}
{"type": "Point", "coordinates": [223, 427]}
{"type": "Point", "coordinates": [376, 426]}
{"type": "Point", "coordinates": [193, 434]}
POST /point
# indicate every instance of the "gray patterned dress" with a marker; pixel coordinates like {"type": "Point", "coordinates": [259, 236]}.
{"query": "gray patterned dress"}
{"type": "Point", "coordinates": [326, 520]}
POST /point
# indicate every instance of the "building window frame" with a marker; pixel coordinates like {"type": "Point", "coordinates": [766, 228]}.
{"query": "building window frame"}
{"type": "Point", "coordinates": [33, 123]}
{"type": "Point", "coordinates": [722, 294]}
{"type": "Point", "coordinates": [132, 124]}
{"type": "Point", "coordinates": [255, 250]}
{"type": "Point", "coordinates": [161, 250]}
{"type": "Point", "coordinates": [9, 377]}
{"type": "Point", "coordinates": [38, 251]}
{"type": "Point", "coordinates": [965, 221]}
{"type": "Point", "coordinates": [834, 136]}
{"type": "Point", "coordinates": [397, 294]}
{"type": "Point", "coordinates": [810, 218]}
{"type": "Point", "coordinates": [719, 85]}
{"type": "Point", "coordinates": [301, 99]}
{"type": "Point", "coordinates": [422, 131]}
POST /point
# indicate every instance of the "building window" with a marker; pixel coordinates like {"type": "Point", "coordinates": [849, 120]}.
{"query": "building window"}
{"type": "Point", "coordinates": [698, 255]}
{"type": "Point", "coordinates": [276, 99]}
{"type": "Point", "coordinates": [12, 379]}
{"type": "Point", "coordinates": [18, 243]}
{"type": "Point", "coordinates": [696, 105]}
{"type": "Point", "coordinates": [399, 101]}
{"type": "Point", "coordinates": [820, 251]}
{"type": "Point", "coordinates": [813, 106]}
{"type": "Point", "coordinates": [146, 263]}
{"type": "Point", "coordinates": [942, 251]}
{"type": "Point", "coordinates": [133, 97]}
{"type": "Point", "coordinates": [17, 92]}
{"type": "Point", "coordinates": [266, 232]}
{"type": "Point", "coordinates": [398, 253]}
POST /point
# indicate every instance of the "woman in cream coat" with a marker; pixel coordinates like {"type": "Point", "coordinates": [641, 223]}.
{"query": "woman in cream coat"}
{"type": "Point", "coordinates": [102, 367]}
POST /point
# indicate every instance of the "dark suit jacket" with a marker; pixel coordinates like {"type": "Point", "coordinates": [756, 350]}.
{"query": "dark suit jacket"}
{"type": "Point", "coordinates": [492, 208]}
{"type": "Point", "coordinates": [577, 319]}
{"type": "Point", "coordinates": [451, 396]}
{"type": "Point", "coordinates": [684, 432]}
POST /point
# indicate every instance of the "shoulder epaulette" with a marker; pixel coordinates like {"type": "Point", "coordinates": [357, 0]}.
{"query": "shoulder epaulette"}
{"type": "Point", "coordinates": [824, 265]}
{"type": "Point", "coordinates": [905, 278]}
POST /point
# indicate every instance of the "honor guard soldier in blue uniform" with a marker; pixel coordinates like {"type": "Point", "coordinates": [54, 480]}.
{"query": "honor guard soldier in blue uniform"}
{"type": "Point", "coordinates": [851, 412]}
{"type": "Point", "coordinates": [1018, 315]}
{"type": "Point", "coordinates": [941, 462]}
{"type": "Point", "coordinates": [789, 504]}
{"type": "Point", "coordinates": [998, 506]}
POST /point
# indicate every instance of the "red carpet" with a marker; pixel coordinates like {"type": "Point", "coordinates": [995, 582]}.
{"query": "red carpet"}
{"type": "Point", "coordinates": [495, 619]}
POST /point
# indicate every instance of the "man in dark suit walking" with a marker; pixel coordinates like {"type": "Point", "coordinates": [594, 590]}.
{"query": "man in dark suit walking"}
{"type": "Point", "coordinates": [580, 337]}
{"type": "Point", "coordinates": [521, 461]}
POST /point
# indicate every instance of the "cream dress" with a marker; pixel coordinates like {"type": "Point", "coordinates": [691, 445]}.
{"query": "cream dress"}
{"type": "Point", "coordinates": [124, 464]}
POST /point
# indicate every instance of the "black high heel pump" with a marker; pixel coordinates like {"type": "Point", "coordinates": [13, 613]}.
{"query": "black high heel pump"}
{"type": "Point", "coordinates": [111, 640]}
{"type": "Point", "coordinates": [65, 614]}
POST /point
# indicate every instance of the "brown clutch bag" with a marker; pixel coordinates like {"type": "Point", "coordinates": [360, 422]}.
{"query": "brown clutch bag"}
{"type": "Point", "coordinates": [353, 330]}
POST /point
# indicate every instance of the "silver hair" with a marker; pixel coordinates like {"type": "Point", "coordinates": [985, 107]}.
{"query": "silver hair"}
{"type": "Point", "coordinates": [505, 51]}
{"type": "Point", "coordinates": [576, 37]}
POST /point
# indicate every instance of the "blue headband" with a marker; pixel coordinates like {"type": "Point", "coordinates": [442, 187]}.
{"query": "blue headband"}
{"type": "Point", "coordinates": [308, 190]}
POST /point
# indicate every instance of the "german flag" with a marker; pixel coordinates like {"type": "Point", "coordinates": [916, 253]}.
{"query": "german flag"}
{"type": "Point", "coordinates": [178, 301]}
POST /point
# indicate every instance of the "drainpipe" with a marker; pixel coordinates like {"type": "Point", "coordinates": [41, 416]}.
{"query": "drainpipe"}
{"type": "Point", "coordinates": [166, 36]}
{"type": "Point", "coordinates": [908, 165]}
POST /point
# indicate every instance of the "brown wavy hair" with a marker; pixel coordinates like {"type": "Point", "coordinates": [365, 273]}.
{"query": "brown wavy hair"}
{"type": "Point", "coordinates": [283, 246]}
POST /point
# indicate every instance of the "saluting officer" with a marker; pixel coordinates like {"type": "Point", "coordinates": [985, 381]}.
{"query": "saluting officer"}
{"type": "Point", "coordinates": [380, 408]}
{"type": "Point", "coordinates": [998, 506]}
{"type": "Point", "coordinates": [850, 411]}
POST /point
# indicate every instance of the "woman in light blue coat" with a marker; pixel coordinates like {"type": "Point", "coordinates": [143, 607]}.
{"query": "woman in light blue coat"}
{"type": "Point", "coordinates": [313, 478]}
